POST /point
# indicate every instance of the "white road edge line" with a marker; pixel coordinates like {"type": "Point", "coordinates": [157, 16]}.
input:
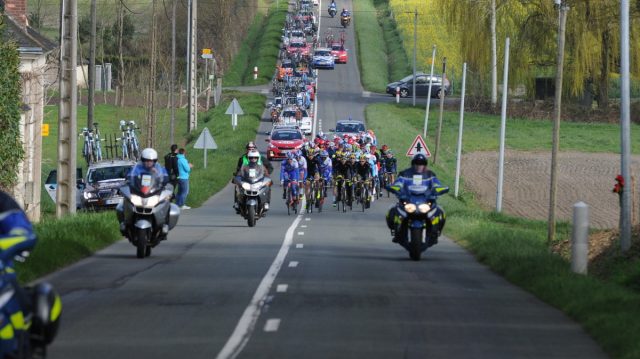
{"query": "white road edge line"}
{"type": "Point", "coordinates": [246, 325]}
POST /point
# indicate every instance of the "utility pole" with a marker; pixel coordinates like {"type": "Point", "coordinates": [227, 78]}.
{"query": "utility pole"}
{"type": "Point", "coordinates": [172, 85]}
{"type": "Point", "coordinates": [92, 67]}
{"type": "Point", "coordinates": [415, 40]}
{"type": "Point", "coordinates": [625, 133]}
{"type": "Point", "coordinates": [444, 76]}
{"type": "Point", "coordinates": [191, 66]}
{"type": "Point", "coordinates": [151, 98]}
{"type": "Point", "coordinates": [563, 8]}
{"type": "Point", "coordinates": [67, 113]}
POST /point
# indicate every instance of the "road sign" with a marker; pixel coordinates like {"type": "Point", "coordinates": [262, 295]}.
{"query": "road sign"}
{"type": "Point", "coordinates": [418, 146]}
{"type": "Point", "coordinates": [45, 129]}
{"type": "Point", "coordinates": [234, 110]}
{"type": "Point", "coordinates": [207, 54]}
{"type": "Point", "coordinates": [206, 142]}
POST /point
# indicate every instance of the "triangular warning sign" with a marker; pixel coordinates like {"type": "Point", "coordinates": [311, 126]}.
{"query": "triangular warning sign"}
{"type": "Point", "coordinates": [205, 141]}
{"type": "Point", "coordinates": [418, 146]}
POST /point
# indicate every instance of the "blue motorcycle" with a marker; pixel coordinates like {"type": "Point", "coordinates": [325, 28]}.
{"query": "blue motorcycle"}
{"type": "Point", "coordinates": [417, 220]}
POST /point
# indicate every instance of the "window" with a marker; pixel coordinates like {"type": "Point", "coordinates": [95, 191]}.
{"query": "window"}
{"type": "Point", "coordinates": [108, 173]}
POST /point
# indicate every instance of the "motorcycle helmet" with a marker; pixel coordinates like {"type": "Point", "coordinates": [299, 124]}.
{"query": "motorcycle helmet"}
{"type": "Point", "coordinates": [419, 159]}
{"type": "Point", "coordinates": [149, 154]}
{"type": "Point", "coordinates": [253, 155]}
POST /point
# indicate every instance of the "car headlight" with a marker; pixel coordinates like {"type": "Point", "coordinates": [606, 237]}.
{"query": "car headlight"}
{"type": "Point", "coordinates": [410, 207]}
{"type": "Point", "coordinates": [89, 195]}
{"type": "Point", "coordinates": [424, 208]}
{"type": "Point", "coordinates": [246, 186]}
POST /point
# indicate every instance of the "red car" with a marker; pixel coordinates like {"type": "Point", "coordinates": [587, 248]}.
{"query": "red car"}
{"type": "Point", "coordinates": [284, 139]}
{"type": "Point", "coordinates": [339, 53]}
{"type": "Point", "coordinates": [298, 45]}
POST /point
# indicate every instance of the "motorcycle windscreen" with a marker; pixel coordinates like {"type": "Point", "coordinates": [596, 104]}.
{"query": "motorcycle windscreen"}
{"type": "Point", "coordinates": [146, 183]}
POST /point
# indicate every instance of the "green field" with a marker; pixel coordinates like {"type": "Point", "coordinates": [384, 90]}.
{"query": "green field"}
{"type": "Point", "coordinates": [516, 248]}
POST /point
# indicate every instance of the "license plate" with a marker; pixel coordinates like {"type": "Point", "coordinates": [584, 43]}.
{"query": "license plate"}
{"type": "Point", "coordinates": [113, 201]}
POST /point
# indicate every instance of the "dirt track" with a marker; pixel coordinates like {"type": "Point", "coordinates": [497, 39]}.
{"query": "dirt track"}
{"type": "Point", "coordinates": [587, 177]}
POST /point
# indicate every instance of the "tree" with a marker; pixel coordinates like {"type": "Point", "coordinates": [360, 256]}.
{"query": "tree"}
{"type": "Point", "coordinates": [11, 150]}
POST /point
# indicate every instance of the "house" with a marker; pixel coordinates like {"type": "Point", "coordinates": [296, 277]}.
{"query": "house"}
{"type": "Point", "coordinates": [34, 50]}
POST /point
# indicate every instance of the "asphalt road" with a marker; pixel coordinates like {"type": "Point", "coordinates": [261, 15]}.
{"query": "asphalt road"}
{"type": "Point", "coordinates": [323, 285]}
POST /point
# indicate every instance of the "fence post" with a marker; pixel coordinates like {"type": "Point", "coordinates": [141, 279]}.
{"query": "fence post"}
{"type": "Point", "coordinates": [580, 238]}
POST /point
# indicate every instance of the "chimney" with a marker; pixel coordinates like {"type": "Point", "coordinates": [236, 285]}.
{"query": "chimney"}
{"type": "Point", "coordinates": [17, 9]}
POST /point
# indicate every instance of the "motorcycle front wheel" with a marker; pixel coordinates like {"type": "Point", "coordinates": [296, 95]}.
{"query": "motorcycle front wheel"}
{"type": "Point", "coordinates": [415, 244]}
{"type": "Point", "coordinates": [142, 237]}
{"type": "Point", "coordinates": [251, 216]}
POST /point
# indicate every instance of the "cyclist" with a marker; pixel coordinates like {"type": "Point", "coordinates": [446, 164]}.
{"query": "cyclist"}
{"type": "Point", "coordinates": [343, 171]}
{"type": "Point", "coordinates": [302, 167]}
{"type": "Point", "coordinates": [289, 175]}
{"type": "Point", "coordinates": [389, 166]}
{"type": "Point", "coordinates": [362, 171]}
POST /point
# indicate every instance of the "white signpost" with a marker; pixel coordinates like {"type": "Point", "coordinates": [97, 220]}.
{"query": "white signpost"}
{"type": "Point", "coordinates": [234, 110]}
{"type": "Point", "coordinates": [418, 146]}
{"type": "Point", "coordinates": [206, 142]}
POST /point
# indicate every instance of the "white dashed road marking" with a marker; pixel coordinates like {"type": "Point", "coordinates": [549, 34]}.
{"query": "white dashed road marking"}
{"type": "Point", "coordinates": [293, 264]}
{"type": "Point", "coordinates": [299, 245]}
{"type": "Point", "coordinates": [272, 325]}
{"type": "Point", "coordinates": [282, 288]}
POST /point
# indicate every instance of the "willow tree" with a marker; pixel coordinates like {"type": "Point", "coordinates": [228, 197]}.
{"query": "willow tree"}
{"type": "Point", "coordinates": [592, 38]}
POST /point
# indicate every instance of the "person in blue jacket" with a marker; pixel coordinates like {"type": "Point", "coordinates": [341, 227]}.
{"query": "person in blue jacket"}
{"type": "Point", "coordinates": [184, 170]}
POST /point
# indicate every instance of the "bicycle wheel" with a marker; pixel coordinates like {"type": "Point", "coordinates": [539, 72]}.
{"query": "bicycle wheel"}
{"type": "Point", "coordinates": [343, 196]}
{"type": "Point", "coordinates": [363, 199]}
{"type": "Point", "coordinates": [287, 199]}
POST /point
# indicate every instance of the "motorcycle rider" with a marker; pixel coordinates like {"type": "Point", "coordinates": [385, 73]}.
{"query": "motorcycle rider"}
{"type": "Point", "coordinates": [243, 161]}
{"type": "Point", "coordinates": [253, 162]}
{"type": "Point", "coordinates": [149, 165]}
{"type": "Point", "coordinates": [406, 178]}
{"type": "Point", "coordinates": [333, 7]}
{"type": "Point", "coordinates": [16, 236]}
{"type": "Point", "coordinates": [344, 12]}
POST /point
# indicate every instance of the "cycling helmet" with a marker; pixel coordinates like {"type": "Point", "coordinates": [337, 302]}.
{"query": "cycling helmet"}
{"type": "Point", "coordinates": [384, 147]}
{"type": "Point", "coordinates": [352, 156]}
{"type": "Point", "coordinates": [250, 145]}
{"type": "Point", "coordinates": [364, 158]}
{"type": "Point", "coordinates": [290, 156]}
{"type": "Point", "coordinates": [149, 154]}
{"type": "Point", "coordinates": [324, 153]}
{"type": "Point", "coordinates": [419, 159]}
{"type": "Point", "coordinates": [253, 154]}
{"type": "Point", "coordinates": [389, 153]}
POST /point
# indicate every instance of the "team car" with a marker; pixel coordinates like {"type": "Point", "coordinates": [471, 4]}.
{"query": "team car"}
{"type": "Point", "coordinates": [322, 58]}
{"type": "Point", "coordinates": [284, 139]}
{"type": "Point", "coordinates": [339, 53]}
{"type": "Point", "coordinates": [102, 183]}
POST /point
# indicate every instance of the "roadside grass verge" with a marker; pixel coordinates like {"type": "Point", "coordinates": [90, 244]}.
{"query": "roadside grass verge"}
{"type": "Point", "coordinates": [514, 247]}
{"type": "Point", "coordinates": [381, 57]}
{"type": "Point", "coordinates": [260, 48]}
{"type": "Point", "coordinates": [65, 241]}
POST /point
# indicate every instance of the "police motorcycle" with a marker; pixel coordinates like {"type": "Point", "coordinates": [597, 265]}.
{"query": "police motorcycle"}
{"type": "Point", "coordinates": [345, 20]}
{"type": "Point", "coordinates": [30, 315]}
{"type": "Point", "coordinates": [332, 10]}
{"type": "Point", "coordinates": [416, 221]}
{"type": "Point", "coordinates": [254, 193]}
{"type": "Point", "coordinates": [146, 214]}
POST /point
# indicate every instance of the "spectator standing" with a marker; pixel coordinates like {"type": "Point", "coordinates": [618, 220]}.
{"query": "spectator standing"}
{"type": "Point", "coordinates": [171, 165]}
{"type": "Point", "coordinates": [184, 170]}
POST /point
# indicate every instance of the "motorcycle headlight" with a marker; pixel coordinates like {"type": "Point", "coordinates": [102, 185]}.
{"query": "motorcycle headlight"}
{"type": "Point", "coordinates": [424, 208]}
{"type": "Point", "coordinates": [89, 195]}
{"type": "Point", "coordinates": [246, 186]}
{"type": "Point", "coordinates": [136, 200]}
{"type": "Point", "coordinates": [152, 201]}
{"type": "Point", "coordinates": [257, 186]}
{"type": "Point", "coordinates": [410, 207]}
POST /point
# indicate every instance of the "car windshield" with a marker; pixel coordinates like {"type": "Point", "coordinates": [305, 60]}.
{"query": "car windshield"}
{"type": "Point", "coordinates": [297, 44]}
{"type": "Point", "coordinates": [297, 34]}
{"type": "Point", "coordinates": [286, 135]}
{"type": "Point", "coordinates": [322, 53]}
{"type": "Point", "coordinates": [289, 113]}
{"type": "Point", "coordinates": [107, 173]}
{"type": "Point", "coordinates": [287, 65]}
{"type": "Point", "coordinates": [336, 47]}
{"type": "Point", "coordinates": [349, 127]}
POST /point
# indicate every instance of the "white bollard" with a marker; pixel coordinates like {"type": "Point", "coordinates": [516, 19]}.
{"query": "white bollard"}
{"type": "Point", "coordinates": [580, 238]}
{"type": "Point", "coordinates": [255, 72]}
{"type": "Point", "coordinates": [398, 94]}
